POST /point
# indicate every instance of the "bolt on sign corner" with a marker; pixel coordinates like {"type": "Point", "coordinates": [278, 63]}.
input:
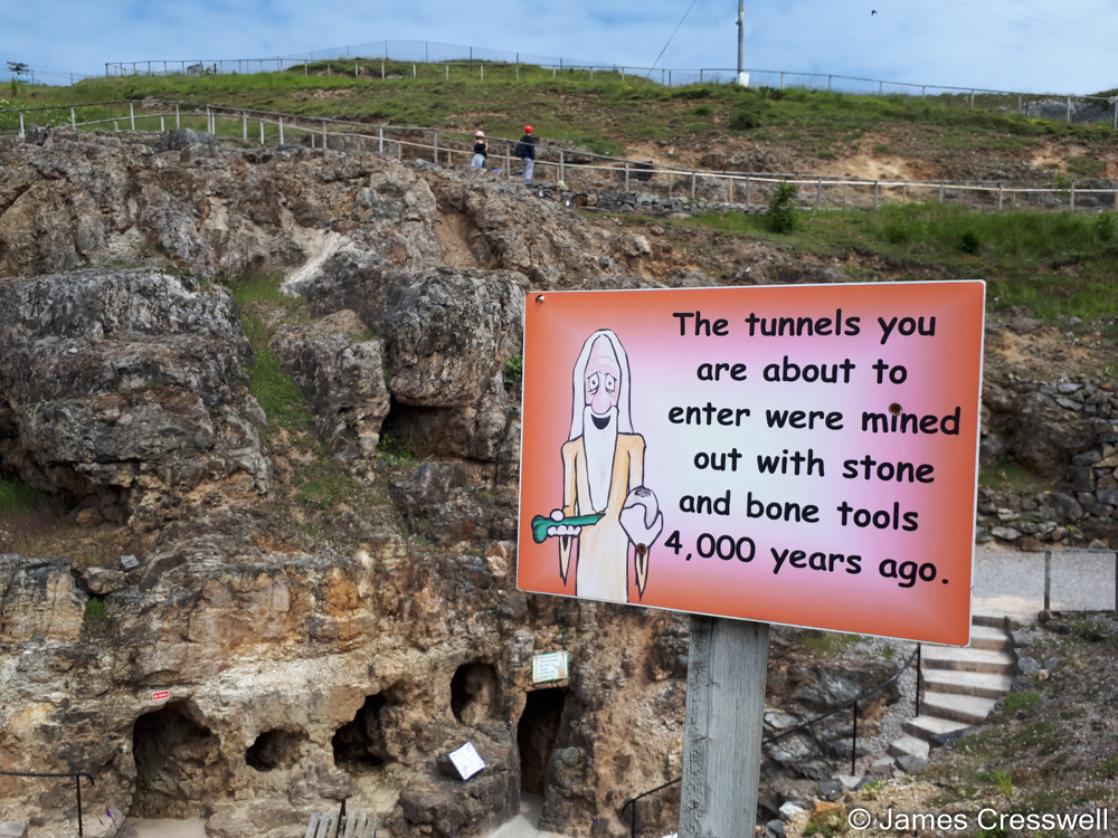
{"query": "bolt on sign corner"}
{"type": "Point", "coordinates": [801, 454]}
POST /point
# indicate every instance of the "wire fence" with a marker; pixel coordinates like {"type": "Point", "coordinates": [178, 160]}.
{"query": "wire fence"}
{"type": "Point", "coordinates": [433, 59]}
{"type": "Point", "coordinates": [574, 175]}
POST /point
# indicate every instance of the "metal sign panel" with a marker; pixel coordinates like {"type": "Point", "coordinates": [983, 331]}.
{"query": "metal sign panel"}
{"type": "Point", "coordinates": [801, 454]}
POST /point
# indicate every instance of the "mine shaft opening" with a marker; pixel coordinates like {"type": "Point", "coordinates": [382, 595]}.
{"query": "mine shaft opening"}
{"type": "Point", "coordinates": [178, 762]}
{"type": "Point", "coordinates": [536, 734]}
{"type": "Point", "coordinates": [473, 692]}
{"type": "Point", "coordinates": [359, 745]}
{"type": "Point", "coordinates": [274, 749]}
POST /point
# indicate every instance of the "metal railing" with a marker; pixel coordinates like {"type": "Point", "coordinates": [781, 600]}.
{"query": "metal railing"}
{"type": "Point", "coordinates": [439, 58]}
{"type": "Point", "coordinates": [641, 184]}
{"type": "Point", "coordinates": [1068, 606]}
{"type": "Point", "coordinates": [75, 775]}
{"type": "Point", "coordinates": [914, 659]}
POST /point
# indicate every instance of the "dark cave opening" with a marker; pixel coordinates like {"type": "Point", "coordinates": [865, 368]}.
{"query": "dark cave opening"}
{"type": "Point", "coordinates": [359, 745]}
{"type": "Point", "coordinates": [178, 764]}
{"type": "Point", "coordinates": [473, 692]}
{"type": "Point", "coordinates": [536, 734]}
{"type": "Point", "coordinates": [274, 749]}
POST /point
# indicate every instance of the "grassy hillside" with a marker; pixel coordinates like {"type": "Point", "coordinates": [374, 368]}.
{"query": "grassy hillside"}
{"type": "Point", "coordinates": [1053, 264]}
{"type": "Point", "coordinates": [611, 114]}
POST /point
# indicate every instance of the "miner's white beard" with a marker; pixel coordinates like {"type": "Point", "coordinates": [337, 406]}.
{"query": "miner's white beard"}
{"type": "Point", "coordinates": [600, 444]}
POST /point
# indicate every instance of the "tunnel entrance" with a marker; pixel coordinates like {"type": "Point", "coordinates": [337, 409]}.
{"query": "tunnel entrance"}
{"type": "Point", "coordinates": [536, 735]}
{"type": "Point", "coordinates": [274, 749]}
{"type": "Point", "coordinates": [178, 764]}
{"type": "Point", "coordinates": [359, 745]}
{"type": "Point", "coordinates": [473, 692]}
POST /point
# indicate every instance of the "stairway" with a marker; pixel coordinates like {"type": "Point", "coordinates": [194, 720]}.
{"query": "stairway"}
{"type": "Point", "coordinates": [960, 686]}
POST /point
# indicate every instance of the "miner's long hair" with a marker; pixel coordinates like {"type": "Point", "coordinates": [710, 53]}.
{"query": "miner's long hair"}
{"type": "Point", "coordinates": [624, 414]}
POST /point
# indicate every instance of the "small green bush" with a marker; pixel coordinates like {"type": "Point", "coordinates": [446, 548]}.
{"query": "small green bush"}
{"type": "Point", "coordinates": [95, 613]}
{"type": "Point", "coordinates": [1106, 226]}
{"type": "Point", "coordinates": [513, 372]}
{"type": "Point", "coordinates": [702, 110]}
{"type": "Point", "coordinates": [782, 216]}
{"type": "Point", "coordinates": [394, 449]}
{"type": "Point", "coordinates": [969, 243]}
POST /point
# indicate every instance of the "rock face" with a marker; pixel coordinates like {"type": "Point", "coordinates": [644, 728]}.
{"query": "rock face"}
{"type": "Point", "coordinates": [251, 667]}
{"type": "Point", "coordinates": [1066, 433]}
{"type": "Point", "coordinates": [299, 680]}
{"type": "Point", "coordinates": [341, 375]}
{"type": "Point", "coordinates": [125, 390]}
{"type": "Point", "coordinates": [214, 210]}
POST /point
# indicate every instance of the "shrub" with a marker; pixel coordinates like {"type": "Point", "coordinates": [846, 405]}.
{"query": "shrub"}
{"type": "Point", "coordinates": [95, 613]}
{"type": "Point", "coordinates": [782, 215]}
{"type": "Point", "coordinates": [513, 371]}
{"type": "Point", "coordinates": [969, 243]}
{"type": "Point", "coordinates": [1105, 226]}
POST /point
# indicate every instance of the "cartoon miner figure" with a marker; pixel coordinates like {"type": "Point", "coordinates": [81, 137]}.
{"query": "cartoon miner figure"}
{"type": "Point", "coordinates": [605, 506]}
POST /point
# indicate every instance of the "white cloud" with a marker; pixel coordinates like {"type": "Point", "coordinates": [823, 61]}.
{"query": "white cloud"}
{"type": "Point", "coordinates": [1004, 44]}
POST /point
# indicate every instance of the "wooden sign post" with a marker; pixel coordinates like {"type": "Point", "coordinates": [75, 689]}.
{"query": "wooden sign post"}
{"type": "Point", "coordinates": [802, 455]}
{"type": "Point", "coordinates": [723, 729]}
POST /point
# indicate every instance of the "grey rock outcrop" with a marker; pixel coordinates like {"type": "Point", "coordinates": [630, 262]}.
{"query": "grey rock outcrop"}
{"type": "Point", "coordinates": [126, 390]}
{"type": "Point", "coordinates": [340, 371]}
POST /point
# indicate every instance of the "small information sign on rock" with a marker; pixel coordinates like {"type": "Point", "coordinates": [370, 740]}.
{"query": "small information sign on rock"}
{"type": "Point", "coordinates": [550, 666]}
{"type": "Point", "coordinates": [467, 761]}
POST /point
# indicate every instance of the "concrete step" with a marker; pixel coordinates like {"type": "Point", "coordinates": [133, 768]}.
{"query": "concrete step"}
{"type": "Point", "coordinates": [987, 637]}
{"type": "Point", "coordinates": [981, 684]}
{"type": "Point", "coordinates": [909, 746]}
{"type": "Point", "coordinates": [934, 729]}
{"type": "Point", "coordinates": [960, 708]}
{"type": "Point", "coordinates": [967, 660]}
{"type": "Point", "coordinates": [991, 619]}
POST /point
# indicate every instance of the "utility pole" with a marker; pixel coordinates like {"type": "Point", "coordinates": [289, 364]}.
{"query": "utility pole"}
{"type": "Point", "coordinates": [743, 77]}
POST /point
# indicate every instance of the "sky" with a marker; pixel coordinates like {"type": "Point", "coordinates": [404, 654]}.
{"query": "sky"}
{"type": "Point", "coordinates": [1018, 45]}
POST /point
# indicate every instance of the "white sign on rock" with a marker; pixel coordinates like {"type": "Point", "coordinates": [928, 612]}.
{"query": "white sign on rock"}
{"type": "Point", "coordinates": [467, 761]}
{"type": "Point", "coordinates": [550, 666]}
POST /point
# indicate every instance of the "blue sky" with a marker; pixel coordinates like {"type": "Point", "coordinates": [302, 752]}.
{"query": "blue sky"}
{"type": "Point", "coordinates": [1030, 45]}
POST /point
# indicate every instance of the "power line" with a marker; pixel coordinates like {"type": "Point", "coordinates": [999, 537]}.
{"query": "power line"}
{"type": "Point", "coordinates": [1055, 16]}
{"type": "Point", "coordinates": [996, 10]}
{"type": "Point", "coordinates": [674, 31]}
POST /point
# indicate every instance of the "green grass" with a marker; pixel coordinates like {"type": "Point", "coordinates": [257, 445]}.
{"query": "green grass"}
{"type": "Point", "coordinates": [1009, 475]}
{"type": "Point", "coordinates": [1052, 263]}
{"type": "Point", "coordinates": [826, 643]}
{"type": "Point", "coordinates": [1016, 702]}
{"type": "Point", "coordinates": [1109, 768]}
{"type": "Point", "coordinates": [603, 113]}
{"type": "Point", "coordinates": [16, 497]}
{"type": "Point", "coordinates": [277, 393]}
{"type": "Point", "coordinates": [320, 482]}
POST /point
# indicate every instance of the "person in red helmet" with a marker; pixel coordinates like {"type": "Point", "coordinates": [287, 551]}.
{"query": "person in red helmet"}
{"type": "Point", "coordinates": [526, 151]}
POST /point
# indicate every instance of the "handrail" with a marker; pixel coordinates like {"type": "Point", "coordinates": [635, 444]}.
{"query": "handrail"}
{"type": "Point", "coordinates": [448, 142]}
{"type": "Point", "coordinates": [772, 740]}
{"type": "Point", "coordinates": [77, 775]}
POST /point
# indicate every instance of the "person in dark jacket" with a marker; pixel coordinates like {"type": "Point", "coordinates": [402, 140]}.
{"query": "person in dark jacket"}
{"type": "Point", "coordinates": [480, 152]}
{"type": "Point", "coordinates": [526, 151]}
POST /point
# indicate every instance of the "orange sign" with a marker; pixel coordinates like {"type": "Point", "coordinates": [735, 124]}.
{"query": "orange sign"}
{"type": "Point", "coordinates": [795, 454]}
